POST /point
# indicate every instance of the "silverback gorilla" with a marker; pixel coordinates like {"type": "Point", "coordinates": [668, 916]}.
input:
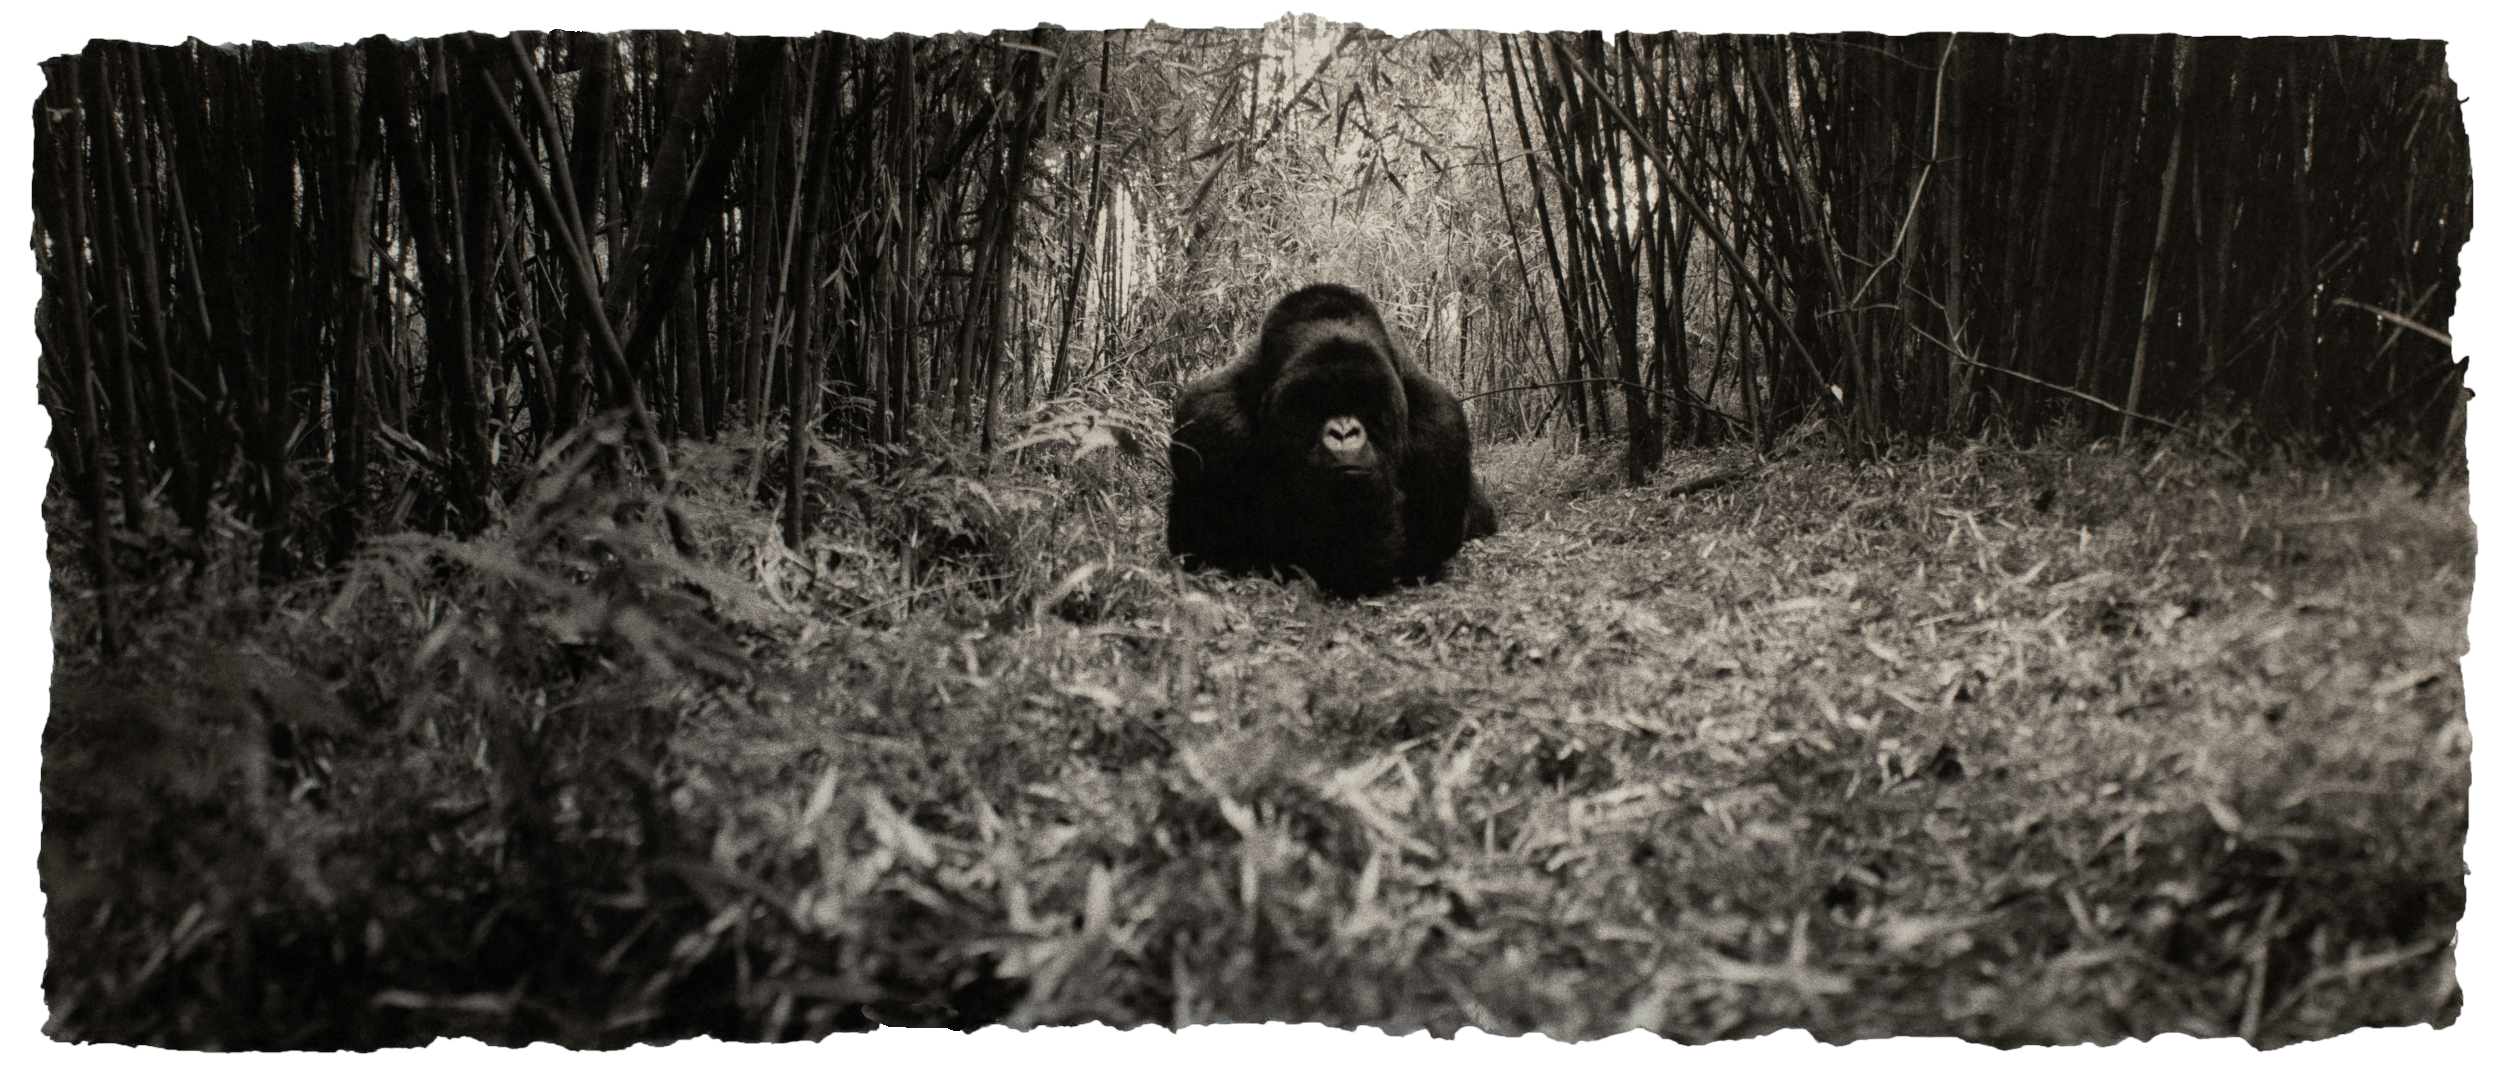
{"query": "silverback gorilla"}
{"type": "Point", "coordinates": [1321, 452]}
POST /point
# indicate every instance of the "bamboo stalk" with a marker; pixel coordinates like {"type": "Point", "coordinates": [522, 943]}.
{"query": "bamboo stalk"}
{"type": "Point", "coordinates": [2161, 233]}
{"type": "Point", "coordinates": [1545, 226]}
{"type": "Point", "coordinates": [149, 285]}
{"type": "Point", "coordinates": [1083, 237]}
{"type": "Point", "coordinates": [1717, 236]}
{"type": "Point", "coordinates": [63, 125]}
{"type": "Point", "coordinates": [654, 450]}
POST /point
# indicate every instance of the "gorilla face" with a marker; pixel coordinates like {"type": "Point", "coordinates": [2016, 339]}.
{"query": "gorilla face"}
{"type": "Point", "coordinates": [1336, 401]}
{"type": "Point", "coordinates": [1335, 419]}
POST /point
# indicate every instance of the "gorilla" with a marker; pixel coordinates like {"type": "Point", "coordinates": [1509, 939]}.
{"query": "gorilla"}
{"type": "Point", "coordinates": [1321, 452]}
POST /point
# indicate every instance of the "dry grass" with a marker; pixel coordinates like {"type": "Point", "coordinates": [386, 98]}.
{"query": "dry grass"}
{"type": "Point", "coordinates": [2024, 746]}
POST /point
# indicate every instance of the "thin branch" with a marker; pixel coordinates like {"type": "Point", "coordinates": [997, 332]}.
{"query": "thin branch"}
{"type": "Point", "coordinates": [1935, 133]}
{"type": "Point", "coordinates": [2434, 334]}
{"type": "Point", "coordinates": [2253, 1006]}
{"type": "Point", "coordinates": [2355, 969]}
{"type": "Point", "coordinates": [2109, 405]}
{"type": "Point", "coordinates": [1615, 381]}
{"type": "Point", "coordinates": [1715, 479]}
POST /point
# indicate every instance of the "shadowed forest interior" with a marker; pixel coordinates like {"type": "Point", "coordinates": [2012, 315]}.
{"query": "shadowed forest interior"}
{"type": "Point", "coordinates": [617, 537]}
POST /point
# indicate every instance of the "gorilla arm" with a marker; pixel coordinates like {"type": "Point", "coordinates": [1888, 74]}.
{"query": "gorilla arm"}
{"type": "Point", "coordinates": [1213, 519]}
{"type": "Point", "coordinates": [1438, 473]}
{"type": "Point", "coordinates": [1482, 520]}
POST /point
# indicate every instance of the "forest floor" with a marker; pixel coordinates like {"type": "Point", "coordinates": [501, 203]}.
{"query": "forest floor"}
{"type": "Point", "coordinates": [2024, 745]}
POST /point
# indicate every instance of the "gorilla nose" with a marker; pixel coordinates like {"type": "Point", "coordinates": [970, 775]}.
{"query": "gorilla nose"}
{"type": "Point", "coordinates": [1344, 438]}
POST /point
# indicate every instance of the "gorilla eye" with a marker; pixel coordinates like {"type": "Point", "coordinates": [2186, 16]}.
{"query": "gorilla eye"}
{"type": "Point", "coordinates": [1343, 436]}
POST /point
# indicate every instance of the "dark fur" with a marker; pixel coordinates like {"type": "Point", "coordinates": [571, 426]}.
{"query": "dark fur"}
{"type": "Point", "coordinates": [1255, 487]}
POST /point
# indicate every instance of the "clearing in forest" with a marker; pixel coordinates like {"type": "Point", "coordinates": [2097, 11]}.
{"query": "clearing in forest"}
{"type": "Point", "coordinates": [2022, 746]}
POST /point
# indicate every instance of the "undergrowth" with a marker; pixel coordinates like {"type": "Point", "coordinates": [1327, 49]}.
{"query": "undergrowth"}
{"type": "Point", "coordinates": [2025, 745]}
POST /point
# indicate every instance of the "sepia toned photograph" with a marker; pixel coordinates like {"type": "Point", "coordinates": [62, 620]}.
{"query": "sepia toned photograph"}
{"type": "Point", "coordinates": [606, 537]}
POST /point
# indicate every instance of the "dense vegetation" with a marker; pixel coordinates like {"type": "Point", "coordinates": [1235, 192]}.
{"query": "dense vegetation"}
{"type": "Point", "coordinates": [615, 538]}
{"type": "Point", "coordinates": [2025, 745]}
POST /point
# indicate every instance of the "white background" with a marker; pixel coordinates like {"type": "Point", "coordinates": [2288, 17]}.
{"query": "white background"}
{"type": "Point", "coordinates": [44, 28]}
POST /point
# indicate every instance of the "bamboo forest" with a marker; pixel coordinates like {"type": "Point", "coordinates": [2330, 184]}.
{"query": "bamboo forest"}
{"type": "Point", "coordinates": [606, 538]}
